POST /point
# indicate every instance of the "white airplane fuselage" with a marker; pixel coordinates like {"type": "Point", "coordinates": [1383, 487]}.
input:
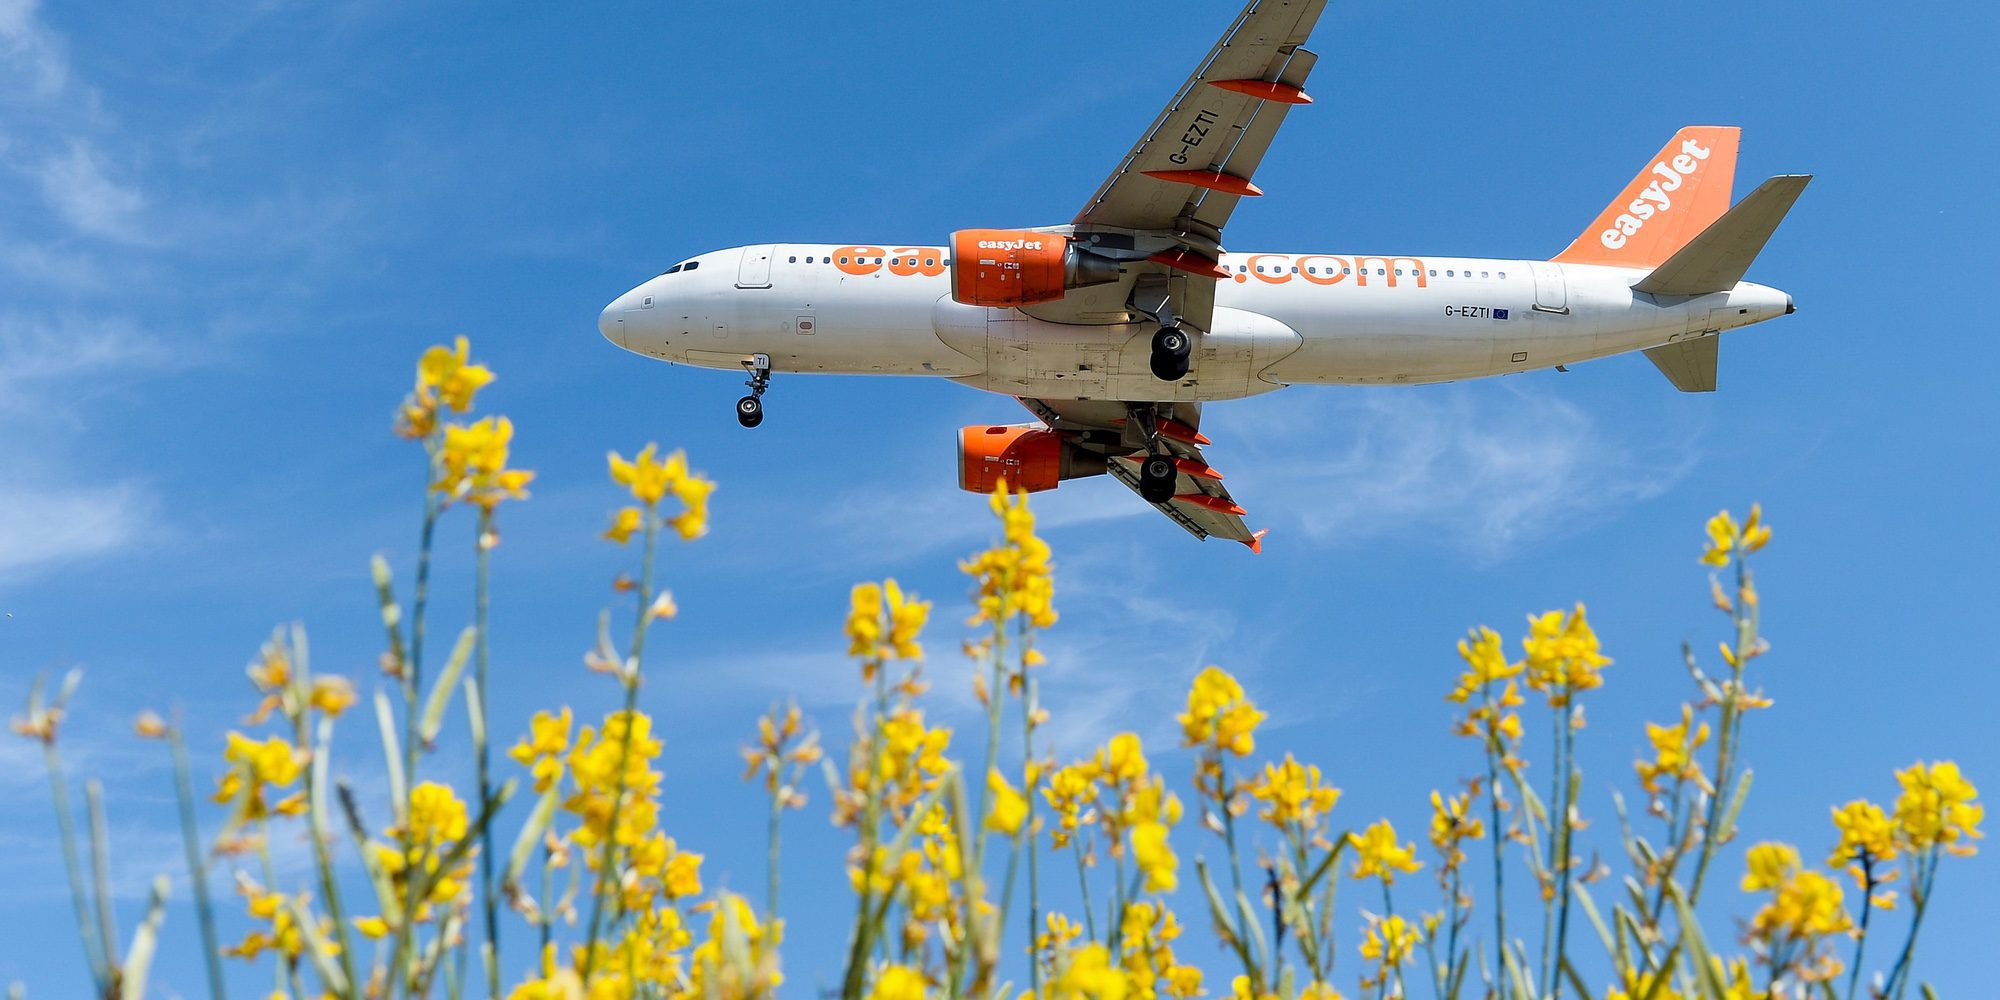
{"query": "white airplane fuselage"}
{"type": "Point", "coordinates": [1280, 319]}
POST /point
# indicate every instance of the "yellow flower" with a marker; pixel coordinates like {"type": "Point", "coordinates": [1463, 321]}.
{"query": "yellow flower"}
{"type": "Point", "coordinates": [332, 694]}
{"type": "Point", "coordinates": [1292, 793]}
{"type": "Point", "coordinates": [1938, 807]}
{"type": "Point", "coordinates": [1070, 791]}
{"type": "Point", "coordinates": [473, 464]}
{"type": "Point", "coordinates": [451, 374]}
{"type": "Point", "coordinates": [256, 766]}
{"type": "Point", "coordinates": [1089, 974]}
{"type": "Point", "coordinates": [1451, 825]}
{"type": "Point", "coordinates": [1155, 858]}
{"type": "Point", "coordinates": [436, 816]}
{"type": "Point", "coordinates": [542, 750]}
{"type": "Point", "coordinates": [1563, 656]}
{"type": "Point", "coordinates": [1390, 941]}
{"type": "Point", "coordinates": [1769, 865]}
{"type": "Point", "coordinates": [1378, 854]}
{"type": "Point", "coordinates": [1673, 753]}
{"type": "Point", "coordinates": [372, 928]}
{"type": "Point", "coordinates": [1725, 539]}
{"type": "Point", "coordinates": [1807, 904]}
{"type": "Point", "coordinates": [1484, 663]}
{"type": "Point", "coordinates": [883, 624]}
{"type": "Point", "coordinates": [150, 725]}
{"type": "Point", "coordinates": [1866, 833]}
{"type": "Point", "coordinates": [623, 524]}
{"type": "Point", "coordinates": [646, 475]}
{"type": "Point", "coordinates": [1015, 577]}
{"type": "Point", "coordinates": [1007, 809]}
{"type": "Point", "coordinates": [1219, 715]}
{"type": "Point", "coordinates": [897, 982]}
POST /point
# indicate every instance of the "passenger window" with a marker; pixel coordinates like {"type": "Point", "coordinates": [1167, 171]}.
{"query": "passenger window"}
{"type": "Point", "coordinates": [793, 260]}
{"type": "Point", "coordinates": [843, 260]}
{"type": "Point", "coordinates": [1379, 272]}
{"type": "Point", "coordinates": [1482, 274]}
{"type": "Point", "coordinates": [930, 261]}
{"type": "Point", "coordinates": [1295, 270]}
{"type": "Point", "coordinates": [1399, 272]}
{"type": "Point", "coordinates": [1503, 274]}
{"type": "Point", "coordinates": [1347, 270]}
{"type": "Point", "coordinates": [1260, 269]}
{"type": "Point", "coordinates": [1434, 272]}
{"type": "Point", "coordinates": [1241, 268]}
{"type": "Point", "coordinates": [1451, 274]}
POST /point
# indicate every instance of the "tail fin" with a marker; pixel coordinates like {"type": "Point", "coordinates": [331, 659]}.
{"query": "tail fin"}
{"type": "Point", "coordinates": [1683, 189]}
{"type": "Point", "coordinates": [1714, 261]}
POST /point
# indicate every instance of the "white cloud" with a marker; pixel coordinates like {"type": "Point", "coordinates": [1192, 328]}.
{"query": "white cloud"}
{"type": "Point", "coordinates": [46, 525]}
{"type": "Point", "coordinates": [77, 187]}
{"type": "Point", "coordinates": [29, 50]}
{"type": "Point", "coordinates": [1484, 469]}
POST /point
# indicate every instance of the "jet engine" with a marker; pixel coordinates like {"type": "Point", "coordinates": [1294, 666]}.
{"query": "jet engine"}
{"type": "Point", "coordinates": [1013, 267]}
{"type": "Point", "coordinates": [1025, 456]}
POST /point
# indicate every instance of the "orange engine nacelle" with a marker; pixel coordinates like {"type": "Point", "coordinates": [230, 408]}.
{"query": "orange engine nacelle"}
{"type": "Point", "coordinates": [1012, 267]}
{"type": "Point", "coordinates": [1024, 456]}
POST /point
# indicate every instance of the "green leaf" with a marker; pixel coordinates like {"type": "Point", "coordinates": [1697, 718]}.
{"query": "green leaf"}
{"type": "Point", "coordinates": [440, 696]}
{"type": "Point", "coordinates": [1728, 831]}
{"type": "Point", "coordinates": [1596, 919]}
{"type": "Point", "coordinates": [531, 834]}
{"type": "Point", "coordinates": [385, 720]}
{"type": "Point", "coordinates": [317, 948]}
{"type": "Point", "coordinates": [145, 942]}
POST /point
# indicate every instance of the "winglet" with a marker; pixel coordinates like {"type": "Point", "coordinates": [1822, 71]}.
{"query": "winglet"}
{"type": "Point", "coordinates": [1256, 541]}
{"type": "Point", "coordinates": [1715, 260]}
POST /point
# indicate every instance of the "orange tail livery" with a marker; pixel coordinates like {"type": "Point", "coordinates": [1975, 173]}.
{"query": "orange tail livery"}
{"type": "Point", "coordinates": [1683, 189]}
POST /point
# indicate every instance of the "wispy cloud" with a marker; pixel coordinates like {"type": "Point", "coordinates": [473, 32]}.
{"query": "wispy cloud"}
{"type": "Point", "coordinates": [1483, 469]}
{"type": "Point", "coordinates": [29, 52]}
{"type": "Point", "coordinates": [78, 188]}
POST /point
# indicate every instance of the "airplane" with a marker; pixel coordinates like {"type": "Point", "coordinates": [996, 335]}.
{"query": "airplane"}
{"type": "Point", "coordinates": [1115, 329]}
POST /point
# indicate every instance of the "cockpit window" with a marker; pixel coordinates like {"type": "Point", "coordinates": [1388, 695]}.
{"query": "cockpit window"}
{"type": "Point", "coordinates": [691, 265]}
{"type": "Point", "coordinates": [673, 269]}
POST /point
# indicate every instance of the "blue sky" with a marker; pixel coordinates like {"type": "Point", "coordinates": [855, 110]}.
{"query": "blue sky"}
{"type": "Point", "coordinates": [226, 230]}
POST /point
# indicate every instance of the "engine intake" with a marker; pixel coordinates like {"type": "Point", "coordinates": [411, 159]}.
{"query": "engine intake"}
{"type": "Point", "coordinates": [1013, 267]}
{"type": "Point", "coordinates": [1024, 456]}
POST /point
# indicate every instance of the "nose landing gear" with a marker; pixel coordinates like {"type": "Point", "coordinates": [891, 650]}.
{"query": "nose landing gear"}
{"type": "Point", "coordinates": [750, 409]}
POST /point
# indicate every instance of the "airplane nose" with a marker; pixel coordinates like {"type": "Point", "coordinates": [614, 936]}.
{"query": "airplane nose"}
{"type": "Point", "coordinates": [611, 323]}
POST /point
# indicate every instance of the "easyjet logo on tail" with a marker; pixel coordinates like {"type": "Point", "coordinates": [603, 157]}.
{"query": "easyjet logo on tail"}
{"type": "Point", "coordinates": [1680, 190]}
{"type": "Point", "coordinates": [1656, 196]}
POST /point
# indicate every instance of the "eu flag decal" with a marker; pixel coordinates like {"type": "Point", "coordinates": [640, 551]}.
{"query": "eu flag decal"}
{"type": "Point", "coordinates": [1499, 314]}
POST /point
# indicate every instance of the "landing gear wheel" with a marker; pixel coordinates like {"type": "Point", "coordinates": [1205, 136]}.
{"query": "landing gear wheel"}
{"type": "Point", "coordinates": [1171, 348]}
{"type": "Point", "coordinates": [1156, 478]}
{"type": "Point", "coordinates": [750, 409]}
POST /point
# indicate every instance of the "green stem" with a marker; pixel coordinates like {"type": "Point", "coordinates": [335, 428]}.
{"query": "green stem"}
{"type": "Point", "coordinates": [1031, 776]}
{"type": "Point", "coordinates": [93, 953]}
{"type": "Point", "coordinates": [1494, 749]}
{"type": "Point", "coordinates": [100, 876]}
{"type": "Point", "coordinates": [1920, 893]}
{"type": "Point", "coordinates": [771, 862]}
{"type": "Point", "coordinates": [204, 910]}
{"type": "Point", "coordinates": [488, 902]}
{"type": "Point", "coordinates": [1563, 887]}
{"type": "Point", "coordinates": [607, 876]}
{"type": "Point", "coordinates": [1861, 938]}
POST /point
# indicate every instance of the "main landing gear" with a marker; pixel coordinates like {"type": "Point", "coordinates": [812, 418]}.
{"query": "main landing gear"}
{"type": "Point", "coordinates": [1171, 346]}
{"type": "Point", "coordinates": [750, 409]}
{"type": "Point", "coordinates": [1156, 478]}
{"type": "Point", "coordinates": [1159, 472]}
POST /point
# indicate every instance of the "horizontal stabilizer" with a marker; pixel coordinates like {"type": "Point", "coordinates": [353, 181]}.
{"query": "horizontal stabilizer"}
{"type": "Point", "coordinates": [1689, 364]}
{"type": "Point", "coordinates": [1714, 261]}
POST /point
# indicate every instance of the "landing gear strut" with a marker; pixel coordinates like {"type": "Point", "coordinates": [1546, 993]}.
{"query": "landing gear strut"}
{"type": "Point", "coordinates": [750, 409]}
{"type": "Point", "coordinates": [1171, 347]}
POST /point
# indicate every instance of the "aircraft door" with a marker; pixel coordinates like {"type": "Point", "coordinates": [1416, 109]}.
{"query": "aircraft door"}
{"type": "Point", "coordinates": [1551, 292]}
{"type": "Point", "coordinates": [755, 270]}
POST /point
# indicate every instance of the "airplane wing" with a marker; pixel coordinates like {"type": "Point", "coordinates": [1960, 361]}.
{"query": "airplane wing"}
{"type": "Point", "coordinates": [1201, 504]}
{"type": "Point", "coordinates": [1196, 161]}
{"type": "Point", "coordinates": [1164, 207]}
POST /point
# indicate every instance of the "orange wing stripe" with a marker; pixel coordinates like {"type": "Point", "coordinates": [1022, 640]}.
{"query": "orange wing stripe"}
{"type": "Point", "coordinates": [1191, 262]}
{"type": "Point", "coordinates": [1216, 504]}
{"type": "Point", "coordinates": [1265, 90]}
{"type": "Point", "coordinates": [1214, 180]}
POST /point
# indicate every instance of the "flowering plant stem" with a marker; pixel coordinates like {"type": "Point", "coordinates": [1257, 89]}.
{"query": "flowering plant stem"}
{"type": "Point", "coordinates": [488, 898]}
